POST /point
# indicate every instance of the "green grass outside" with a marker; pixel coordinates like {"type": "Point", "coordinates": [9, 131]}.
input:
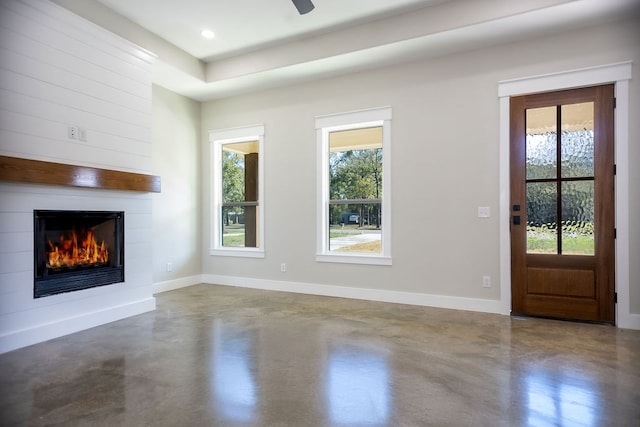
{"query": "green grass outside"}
{"type": "Point", "coordinates": [542, 241]}
{"type": "Point", "coordinates": [539, 240]}
{"type": "Point", "coordinates": [235, 239]}
{"type": "Point", "coordinates": [334, 234]}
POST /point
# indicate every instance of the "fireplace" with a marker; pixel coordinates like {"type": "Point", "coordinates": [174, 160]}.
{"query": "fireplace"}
{"type": "Point", "coordinates": [76, 250]}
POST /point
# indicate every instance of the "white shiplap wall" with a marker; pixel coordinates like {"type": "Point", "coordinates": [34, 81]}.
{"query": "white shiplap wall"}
{"type": "Point", "coordinates": [58, 70]}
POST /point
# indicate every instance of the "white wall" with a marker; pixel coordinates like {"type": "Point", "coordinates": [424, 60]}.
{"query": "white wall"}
{"type": "Point", "coordinates": [445, 157]}
{"type": "Point", "coordinates": [59, 70]}
{"type": "Point", "coordinates": [177, 211]}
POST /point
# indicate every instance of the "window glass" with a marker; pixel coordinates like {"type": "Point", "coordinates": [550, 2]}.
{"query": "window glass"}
{"type": "Point", "coordinates": [355, 190]}
{"type": "Point", "coordinates": [560, 179]}
{"type": "Point", "coordinates": [239, 194]}
{"type": "Point", "coordinates": [237, 218]}
{"type": "Point", "coordinates": [354, 210]}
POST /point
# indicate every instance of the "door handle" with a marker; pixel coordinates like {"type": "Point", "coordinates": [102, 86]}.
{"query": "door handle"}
{"type": "Point", "coordinates": [516, 220]}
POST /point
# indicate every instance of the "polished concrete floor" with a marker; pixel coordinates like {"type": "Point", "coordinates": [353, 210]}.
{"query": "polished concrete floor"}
{"type": "Point", "coordinates": [221, 356]}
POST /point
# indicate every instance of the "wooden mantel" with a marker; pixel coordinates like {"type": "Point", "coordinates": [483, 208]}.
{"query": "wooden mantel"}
{"type": "Point", "coordinates": [39, 172]}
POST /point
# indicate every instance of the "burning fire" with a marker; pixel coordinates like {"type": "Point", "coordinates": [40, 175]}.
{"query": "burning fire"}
{"type": "Point", "coordinates": [68, 253]}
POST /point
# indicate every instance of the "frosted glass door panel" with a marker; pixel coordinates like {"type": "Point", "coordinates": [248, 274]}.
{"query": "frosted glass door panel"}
{"type": "Point", "coordinates": [542, 217]}
{"type": "Point", "coordinates": [577, 140]}
{"type": "Point", "coordinates": [577, 218]}
{"type": "Point", "coordinates": [560, 179]}
{"type": "Point", "coordinates": [541, 143]}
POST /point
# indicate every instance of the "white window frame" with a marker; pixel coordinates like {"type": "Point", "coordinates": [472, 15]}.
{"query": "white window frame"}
{"type": "Point", "coordinates": [348, 121]}
{"type": "Point", "coordinates": [217, 139]}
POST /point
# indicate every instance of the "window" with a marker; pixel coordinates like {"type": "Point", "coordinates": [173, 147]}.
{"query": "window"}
{"type": "Point", "coordinates": [237, 184]}
{"type": "Point", "coordinates": [354, 187]}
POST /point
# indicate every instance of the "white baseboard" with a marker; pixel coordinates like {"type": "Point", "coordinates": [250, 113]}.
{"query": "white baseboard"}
{"type": "Point", "coordinates": [629, 321]}
{"type": "Point", "coordinates": [412, 298]}
{"type": "Point", "coordinates": [171, 285]}
{"type": "Point", "coordinates": [45, 332]}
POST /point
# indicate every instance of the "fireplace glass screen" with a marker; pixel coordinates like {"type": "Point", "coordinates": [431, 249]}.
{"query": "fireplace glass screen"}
{"type": "Point", "coordinates": [76, 250]}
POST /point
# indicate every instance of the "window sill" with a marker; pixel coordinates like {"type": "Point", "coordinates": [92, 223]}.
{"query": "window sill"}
{"type": "Point", "coordinates": [354, 259]}
{"type": "Point", "coordinates": [238, 252]}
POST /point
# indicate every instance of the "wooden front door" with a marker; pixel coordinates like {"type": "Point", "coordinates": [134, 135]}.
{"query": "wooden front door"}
{"type": "Point", "coordinates": [562, 204]}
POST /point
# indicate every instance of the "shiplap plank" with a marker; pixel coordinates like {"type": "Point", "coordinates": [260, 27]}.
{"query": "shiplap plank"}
{"type": "Point", "coordinates": [14, 221]}
{"type": "Point", "coordinates": [139, 220]}
{"type": "Point", "coordinates": [74, 102]}
{"type": "Point", "coordinates": [83, 94]}
{"type": "Point", "coordinates": [76, 27]}
{"type": "Point", "coordinates": [12, 302]}
{"type": "Point", "coordinates": [47, 197]}
{"type": "Point", "coordinates": [33, 20]}
{"type": "Point", "coordinates": [36, 50]}
{"type": "Point", "coordinates": [138, 276]}
{"type": "Point", "coordinates": [15, 242]}
{"type": "Point", "coordinates": [136, 250]}
{"type": "Point", "coordinates": [137, 236]}
{"type": "Point", "coordinates": [62, 306]}
{"type": "Point", "coordinates": [56, 132]}
{"type": "Point", "coordinates": [99, 133]}
{"type": "Point", "coordinates": [13, 282]}
{"type": "Point", "coordinates": [76, 154]}
{"type": "Point", "coordinates": [14, 262]}
{"type": "Point", "coordinates": [100, 130]}
{"type": "Point", "coordinates": [136, 107]}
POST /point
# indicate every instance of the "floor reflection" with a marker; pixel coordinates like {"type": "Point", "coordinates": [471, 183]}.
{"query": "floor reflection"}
{"type": "Point", "coordinates": [559, 400]}
{"type": "Point", "coordinates": [232, 357]}
{"type": "Point", "coordinates": [233, 382]}
{"type": "Point", "coordinates": [99, 390]}
{"type": "Point", "coordinates": [357, 387]}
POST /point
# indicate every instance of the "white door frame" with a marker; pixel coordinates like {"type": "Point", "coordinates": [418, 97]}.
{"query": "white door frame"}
{"type": "Point", "coordinates": [619, 74]}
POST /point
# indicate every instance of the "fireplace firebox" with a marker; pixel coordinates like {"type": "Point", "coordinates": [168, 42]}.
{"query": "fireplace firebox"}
{"type": "Point", "coordinates": [76, 250]}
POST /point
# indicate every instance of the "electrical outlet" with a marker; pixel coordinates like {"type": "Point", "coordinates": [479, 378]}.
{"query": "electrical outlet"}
{"type": "Point", "coordinates": [72, 132]}
{"type": "Point", "coordinates": [486, 281]}
{"type": "Point", "coordinates": [283, 267]}
{"type": "Point", "coordinates": [169, 267]}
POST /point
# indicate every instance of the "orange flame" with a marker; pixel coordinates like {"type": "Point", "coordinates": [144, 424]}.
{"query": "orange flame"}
{"type": "Point", "coordinates": [67, 253]}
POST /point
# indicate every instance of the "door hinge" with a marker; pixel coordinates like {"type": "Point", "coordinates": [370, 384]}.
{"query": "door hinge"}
{"type": "Point", "coordinates": [615, 169]}
{"type": "Point", "coordinates": [615, 297]}
{"type": "Point", "coordinates": [615, 233]}
{"type": "Point", "coordinates": [614, 103]}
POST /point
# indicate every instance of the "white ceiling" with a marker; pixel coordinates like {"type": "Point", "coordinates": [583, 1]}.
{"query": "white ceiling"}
{"type": "Point", "coordinates": [245, 25]}
{"type": "Point", "coordinates": [261, 44]}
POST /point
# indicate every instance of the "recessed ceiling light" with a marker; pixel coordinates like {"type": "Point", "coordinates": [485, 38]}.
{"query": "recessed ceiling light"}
{"type": "Point", "coordinates": [208, 34]}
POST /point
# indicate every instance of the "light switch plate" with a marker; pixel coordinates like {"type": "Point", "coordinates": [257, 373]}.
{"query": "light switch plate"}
{"type": "Point", "coordinates": [484, 211]}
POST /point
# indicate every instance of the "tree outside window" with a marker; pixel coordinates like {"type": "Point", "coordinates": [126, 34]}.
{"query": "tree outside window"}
{"type": "Point", "coordinates": [355, 190]}
{"type": "Point", "coordinates": [237, 196]}
{"type": "Point", "coordinates": [354, 182]}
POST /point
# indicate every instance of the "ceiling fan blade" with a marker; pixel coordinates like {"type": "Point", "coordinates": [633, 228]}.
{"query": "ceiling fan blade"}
{"type": "Point", "coordinates": [303, 6]}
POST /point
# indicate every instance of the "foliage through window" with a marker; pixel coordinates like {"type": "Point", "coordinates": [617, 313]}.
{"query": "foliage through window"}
{"type": "Point", "coordinates": [354, 221]}
{"type": "Point", "coordinates": [237, 208]}
{"type": "Point", "coordinates": [355, 187]}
